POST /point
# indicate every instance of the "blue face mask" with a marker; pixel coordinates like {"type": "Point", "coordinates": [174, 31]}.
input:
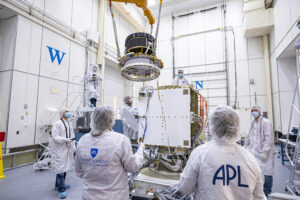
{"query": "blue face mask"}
{"type": "Point", "coordinates": [94, 69]}
{"type": "Point", "coordinates": [254, 114]}
{"type": "Point", "coordinates": [298, 27]}
{"type": "Point", "coordinates": [67, 115]}
{"type": "Point", "coordinates": [180, 75]}
{"type": "Point", "coordinates": [130, 100]}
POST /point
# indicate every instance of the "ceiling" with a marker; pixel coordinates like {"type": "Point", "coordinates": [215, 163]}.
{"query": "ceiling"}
{"type": "Point", "coordinates": [172, 6]}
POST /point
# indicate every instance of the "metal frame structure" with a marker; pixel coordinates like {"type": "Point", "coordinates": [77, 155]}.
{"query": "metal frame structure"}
{"type": "Point", "coordinates": [293, 186]}
{"type": "Point", "coordinates": [223, 29]}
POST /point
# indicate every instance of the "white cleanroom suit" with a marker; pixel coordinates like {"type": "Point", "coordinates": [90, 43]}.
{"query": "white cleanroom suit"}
{"type": "Point", "coordinates": [105, 174]}
{"type": "Point", "coordinates": [62, 147]}
{"type": "Point", "coordinates": [104, 158]}
{"type": "Point", "coordinates": [221, 169]}
{"type": "Point", "coordinates": [92, 81]}
{"type": "Point", "coordinates": [260, 141]}
{"type": "Point", "coordinates": [182, 82]}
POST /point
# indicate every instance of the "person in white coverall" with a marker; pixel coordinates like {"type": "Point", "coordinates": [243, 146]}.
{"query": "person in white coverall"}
{"type": "Point", "coordinates": [132, 134]}
{"type": "Point", "coordinates": [104, 158]}
{"type": "Point", "coordinates": [222, 169]}
{"type": "Point", "coordinates": [180, 80]}
{"type": "Point", "coordinates": [260, 141]}
{"type": "Point", "coordinates": [62, 151]}
{"type": "Point", "coordinates": [92, 81]}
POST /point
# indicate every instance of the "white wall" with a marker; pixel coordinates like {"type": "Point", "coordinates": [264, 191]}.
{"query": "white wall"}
{"type": "Point", "coordinates": [32, 77]}
{"type": "Point", "coordinates": [8, 34]}
{"type": "Point", "coordinates": [114, 90]}
{"type": "Point", "coordinates": [284, 33]}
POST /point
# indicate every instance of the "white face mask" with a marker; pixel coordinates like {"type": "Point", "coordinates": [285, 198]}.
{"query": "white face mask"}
{"type": "Point", "coordinates": [254, 114]}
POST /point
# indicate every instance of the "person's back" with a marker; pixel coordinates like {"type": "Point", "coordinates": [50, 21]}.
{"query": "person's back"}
{"type": "Point", "coordinates": [103, 161]}
{"type": "Point", "coordinates": [221, 169]}
{"type": "Point", "coordinates": [226, 170]}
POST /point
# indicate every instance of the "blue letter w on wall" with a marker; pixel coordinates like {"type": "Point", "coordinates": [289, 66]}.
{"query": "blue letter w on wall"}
{"type": "Point", "coordinates": [56, 54]}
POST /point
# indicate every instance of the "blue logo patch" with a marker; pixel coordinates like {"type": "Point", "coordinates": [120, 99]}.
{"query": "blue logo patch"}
{"type": "Point", "coordinates": [94, 152]}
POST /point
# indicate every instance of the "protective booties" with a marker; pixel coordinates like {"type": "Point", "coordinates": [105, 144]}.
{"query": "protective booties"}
{"type": "Point", "coordinates": [68, 186]}
{"type": "Point", "coordinates": [62, 195]}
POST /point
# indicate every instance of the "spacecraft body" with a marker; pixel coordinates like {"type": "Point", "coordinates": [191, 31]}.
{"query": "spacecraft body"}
{"type": "Point", "coordinates": [171, 118]}
{"type": "Point", "coordinates": [174, 118]}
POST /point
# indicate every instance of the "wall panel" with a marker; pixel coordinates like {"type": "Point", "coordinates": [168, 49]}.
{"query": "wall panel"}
{"type": "Point", "coordinates": [197, 50]}
{"type": "Point", "coordinates": [214, 51]}
{"type": "Point", "coordinates": [75, 96]}
{"type": "Point", "coordinates": [61, 10]}
{"type": "Point", "coordinates": [181, 52]}
{"type": "Point", "coordinates": [165, 33]}
{"type": "Point", "coordinates": [282, 25]}
{"type": "Point", "coordinates": [82, 15]}
{"type": "Point", "coordinates": [287, 74]}
{"type": "Point", "coordinates": [77, 63]}
{"type": "Point", "coordinates": [28, 46]}
{"type": "Point", "coordinates": [22, 110]}
{"type": "Point", "coordinates": [5, 80]}
{"type": "Point", "coordinates": [257, 72]}
{"type": "Point", "coordinates": [95, 9]}
{"type": "Point", "coordinates": [295, 5]}
{"type": "Point", "coordinates": [114, 90]}
{"type": "Point", "coordinates": [48, 100]}
{"type": "Point", "coordinates": [54, 69]}
{"type": "Point", "coordinates": [37, 3]}
{"type": "Point", "coordinates": [286, 99]}
{"type": "Point", "coordinates": [240, 44]}
{"type": "Point", "coordinates": [164, 55]}
{"type": "Point", "coordinates": [8, 33]}
{"type": "Point", "coordinates": [242, 78]}
{"type": "Point", "coordinates": [213, 18]}
{"type": "Point", "coordinates": [255, 48]}
{"type": "Point", "coordinates": [234, 13]}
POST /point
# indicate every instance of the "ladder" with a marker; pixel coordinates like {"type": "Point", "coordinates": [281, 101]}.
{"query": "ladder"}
{"type": "Point", "coordinates": [292, 185]}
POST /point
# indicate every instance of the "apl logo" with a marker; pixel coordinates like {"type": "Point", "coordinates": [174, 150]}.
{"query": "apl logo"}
{"type": "Point", "coordinates": [94, 152]}
{"type": "Point", "coordinates": [56, 54]}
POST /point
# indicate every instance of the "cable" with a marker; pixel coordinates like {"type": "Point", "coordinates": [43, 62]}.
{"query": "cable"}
{"type": "Point", "coordinates": [235, 70]}
{"type": "Point", "coordinates": [157, 27]}
{"type": "Point", "coordinates": [146, 121]}
{"type": "Point", "coordinates": [115, 29]}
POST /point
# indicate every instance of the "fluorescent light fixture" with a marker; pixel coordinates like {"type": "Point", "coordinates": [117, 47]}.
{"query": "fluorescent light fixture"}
{"type": "Point", "coordinates": [151, 2]}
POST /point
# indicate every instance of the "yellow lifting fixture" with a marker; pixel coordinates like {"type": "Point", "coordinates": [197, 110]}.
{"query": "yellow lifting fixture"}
{"type": "Point", "coordinates": [141, 4]}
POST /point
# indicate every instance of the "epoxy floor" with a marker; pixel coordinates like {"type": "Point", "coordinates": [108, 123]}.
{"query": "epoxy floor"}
{"type": "Point", "coordinates": [25, 184]}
